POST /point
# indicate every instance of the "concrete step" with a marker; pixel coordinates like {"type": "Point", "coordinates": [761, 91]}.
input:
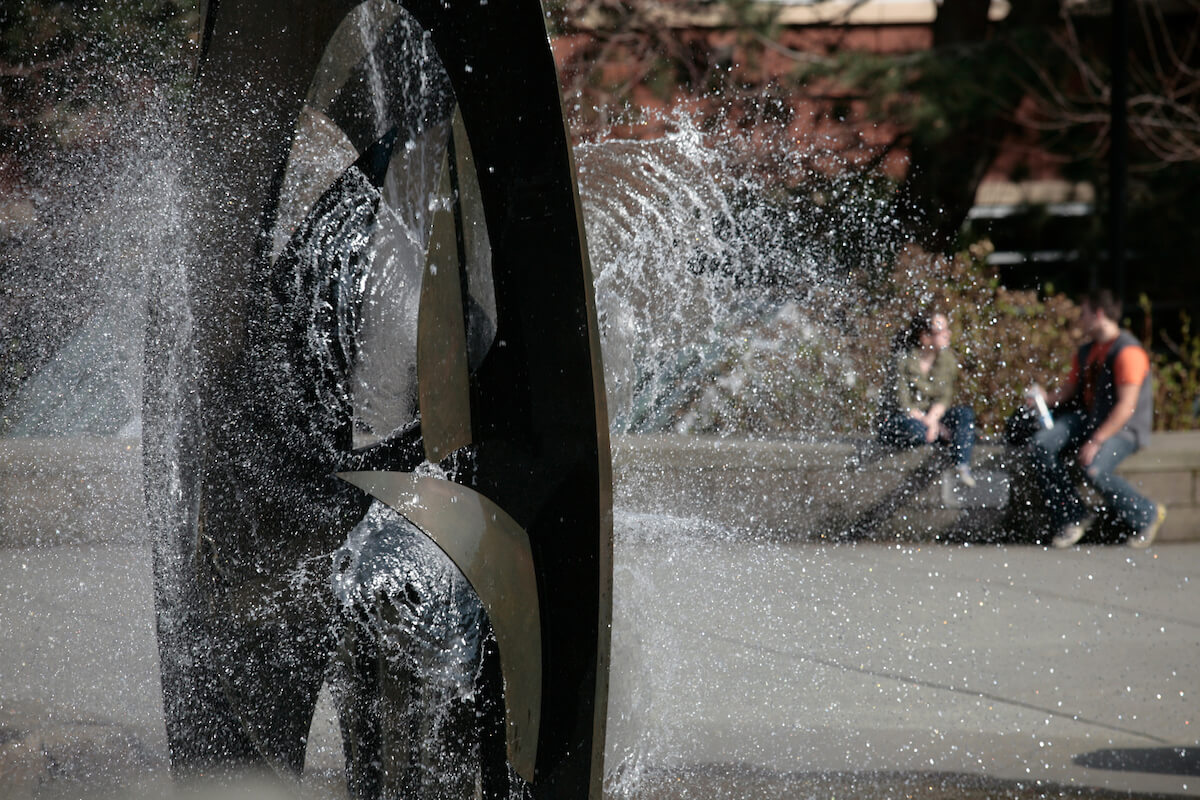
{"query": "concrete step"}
{"type": "Point", "coordinates": [89, 489]}
{"type": "Point", "coordinates": [808, 489]}
{"type": "Point", "coordinates": [71, 491]}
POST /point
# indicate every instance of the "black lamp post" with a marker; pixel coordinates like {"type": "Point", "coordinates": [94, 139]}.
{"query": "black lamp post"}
{"type": "Point", "coordinates": [1119, 146]}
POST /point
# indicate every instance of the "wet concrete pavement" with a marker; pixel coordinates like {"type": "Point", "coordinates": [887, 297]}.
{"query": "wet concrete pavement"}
{"type": "Point", "coordinates": [1077, 668]}
{"type": "Point", "coordinates": [80, 701]}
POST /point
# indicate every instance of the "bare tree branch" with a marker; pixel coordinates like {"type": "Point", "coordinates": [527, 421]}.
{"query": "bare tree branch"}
{"type": "Point", "coordinates": [1162, 108]}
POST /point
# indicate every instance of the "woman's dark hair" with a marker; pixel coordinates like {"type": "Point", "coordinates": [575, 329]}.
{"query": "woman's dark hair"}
{"type": "Point", "coordinates": [909, 337]}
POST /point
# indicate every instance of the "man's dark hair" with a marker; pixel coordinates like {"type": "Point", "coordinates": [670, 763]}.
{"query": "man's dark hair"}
{"type": "Point", "coordinates": [1103, 300]}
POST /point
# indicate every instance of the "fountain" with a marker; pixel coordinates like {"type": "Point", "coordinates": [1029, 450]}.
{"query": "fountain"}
{"type": "Point", "coordinates": [748, 659]}
{"type": "Point", "coordinates": [372, 427]}
{"type": "Point", "coordinates": [385, 366]}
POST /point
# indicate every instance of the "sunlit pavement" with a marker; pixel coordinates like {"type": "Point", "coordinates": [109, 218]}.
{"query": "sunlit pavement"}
{"type": "Point", "coordinates": [1079, 667]}
{"type": "Point", "coordinates": [1007, 662]}
{"type": "Point", "coordinates": [80, 702]}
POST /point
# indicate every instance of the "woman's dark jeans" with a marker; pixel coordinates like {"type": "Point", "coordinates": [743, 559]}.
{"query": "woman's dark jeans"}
{"type": "Point", "coordinates": [901, 430]}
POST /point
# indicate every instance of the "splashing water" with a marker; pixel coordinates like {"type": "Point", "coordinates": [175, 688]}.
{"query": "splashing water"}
{"type": "Point", "coordinates": [724, 305]}
{"type": "Point", "coordinates": [708, 280]}
{"type": "Point", "coordinates": [126, 238]}
{"type": "Point", "coordinates": [727, 303]}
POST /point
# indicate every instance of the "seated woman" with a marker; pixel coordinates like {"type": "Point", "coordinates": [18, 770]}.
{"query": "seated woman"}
{"type": "Point", "coordinates": [917, 408]}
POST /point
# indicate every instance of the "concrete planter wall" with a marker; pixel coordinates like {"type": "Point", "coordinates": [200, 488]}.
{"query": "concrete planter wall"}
{"type": "Point", "coordinates": [70, 490]}
{"type": "Point", "coordinates": [819, 490]}
{"type": "Point", "coordinates": [78, 490]}
{"type": "Point", "coordinates": [797, 489]}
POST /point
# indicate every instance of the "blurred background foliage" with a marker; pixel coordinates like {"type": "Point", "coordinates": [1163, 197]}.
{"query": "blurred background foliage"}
{"type": "Point", "coordinates": [912, 128]}
{"type": "Point", "coordinates": [1022, 95]}
{"type": "Point", "coordinates": [1176, 363]}
{"type": "Point", "coordinates": [781, 378]}
{"type": "Point", "coordinates": [73, 72]}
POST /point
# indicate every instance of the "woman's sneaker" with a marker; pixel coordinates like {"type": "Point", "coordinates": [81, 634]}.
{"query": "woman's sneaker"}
{"type": "Point", "coordinates": [1146, 535]}
{"type": "Point", "coordinates": [1071, 533]}
{"type": "Point", "coordinates": [965, 477]}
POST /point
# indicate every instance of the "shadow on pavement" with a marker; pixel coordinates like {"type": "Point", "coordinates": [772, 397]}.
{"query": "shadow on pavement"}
{"type": "Point", "coordinates": [1158, 760]}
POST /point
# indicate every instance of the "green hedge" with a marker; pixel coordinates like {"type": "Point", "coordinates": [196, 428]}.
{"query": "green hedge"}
{"type": "Point", "coordinates": [788, 374]}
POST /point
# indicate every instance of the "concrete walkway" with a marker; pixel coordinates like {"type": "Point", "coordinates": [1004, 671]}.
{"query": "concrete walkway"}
{"type": "Point", "coordinates": [1079, 668]}
{"type": "Point", "coordinates": [80, 700]}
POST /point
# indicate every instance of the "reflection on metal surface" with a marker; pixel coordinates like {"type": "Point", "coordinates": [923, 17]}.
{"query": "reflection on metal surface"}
{"type": "Point", "coordinates": [493, 553]}
{"type": "Point", "coordinates": [441, 337]}
{"type": "Point", "coordinates": [458, 307]}
{"type": "Point", "coordinates": [388, 263]}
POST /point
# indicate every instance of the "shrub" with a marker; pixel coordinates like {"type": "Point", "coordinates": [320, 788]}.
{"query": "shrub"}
{"type": "Point", "coordinates": [797, 372]}
{"type": "Point", "coordinates": [1005, 339]}
{"type": "Point", "coordinates": [1009, 339]}
{"type": "Point", "coordinates": [1176, 366]}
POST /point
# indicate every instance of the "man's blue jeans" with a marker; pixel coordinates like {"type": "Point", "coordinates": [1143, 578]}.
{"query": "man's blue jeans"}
{"type": "Point", "coordinates": [901, 430]}
{"type": "Point", "coordinates": [1053, 451]}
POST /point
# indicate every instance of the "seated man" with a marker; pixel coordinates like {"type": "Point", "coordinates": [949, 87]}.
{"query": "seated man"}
{"type": "Point", "coordinates": [1104, 413]}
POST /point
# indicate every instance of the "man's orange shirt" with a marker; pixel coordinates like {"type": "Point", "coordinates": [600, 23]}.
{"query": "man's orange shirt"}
{"type": "Point", "coordinates": [1130, 369]}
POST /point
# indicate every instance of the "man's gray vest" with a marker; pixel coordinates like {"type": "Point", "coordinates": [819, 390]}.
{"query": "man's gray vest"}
{"type": "Point", "coordinates": [1104, 393]}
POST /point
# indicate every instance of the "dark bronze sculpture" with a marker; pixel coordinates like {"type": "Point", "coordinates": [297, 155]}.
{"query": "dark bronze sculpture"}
{"type": "Point", "coordinates": [382, 340]}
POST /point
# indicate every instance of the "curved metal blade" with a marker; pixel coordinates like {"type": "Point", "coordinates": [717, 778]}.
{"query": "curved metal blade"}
{"type": "Point", "coordinates": [493, 552]}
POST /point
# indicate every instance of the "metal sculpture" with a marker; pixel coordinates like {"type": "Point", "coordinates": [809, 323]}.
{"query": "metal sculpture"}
{"type": "Point", "coordinates": [383, 340]}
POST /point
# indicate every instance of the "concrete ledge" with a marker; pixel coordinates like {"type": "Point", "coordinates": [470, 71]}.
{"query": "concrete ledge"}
{"type": "Point", "coordinates": [89, 489]}
{"type": "Point", "coordinates": [811, 489]}
{"type": "Point", "coordinates": [1168, 471]}
{"type": "Point", "coordinates": [798, 489]}
{"type": "Point", "coordinates": [71, 490]}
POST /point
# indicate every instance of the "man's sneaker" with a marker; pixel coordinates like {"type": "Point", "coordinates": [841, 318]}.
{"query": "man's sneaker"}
{"type": "Point", "coordinates": [1070, 533]}
{"type": "Point", "coordinates": [965, 477]}
{"type": "Point", "coordinates": [1146, 535]}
